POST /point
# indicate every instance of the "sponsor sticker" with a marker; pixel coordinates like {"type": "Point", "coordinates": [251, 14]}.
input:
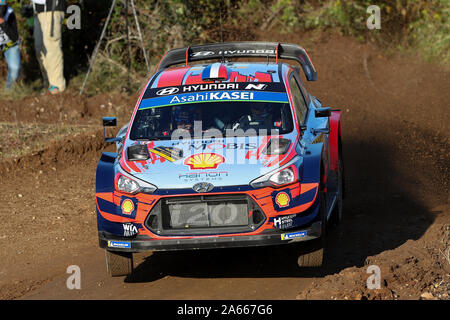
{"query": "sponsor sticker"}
{"type": "Point", "coordinates": [282, 199]}
{"type": "Point", "coordinates": [234, 52]}
{"type": "Point", "coordinates": [284, 222]}
{"type": "Point", "coordinates": [204, 161]}
{"type": "Point", "coordinates": [129, 230]}
{"type": "Point", "coordinates": [127, 206]}
{"type": "Point", "coordinates": [202, 176]}
{"type": "Point", "coordinates": [119, 244]}
{"type": "Point", "coordinates": [167, 91]}
{"type": "Point", "coordinates": [168, 153]}
{"type": "Point", "coordinates": [289, 236]}
{"type": "Point", "coordinates": [230, 86]}
{"type": "Point", "coordinates": [213, 96]}
{"type": "Point", "coordinates": [214, 145]}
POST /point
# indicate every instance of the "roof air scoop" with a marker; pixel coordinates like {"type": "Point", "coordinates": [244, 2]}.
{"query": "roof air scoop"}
{"type": "Point", "coordinates": [215, 71]}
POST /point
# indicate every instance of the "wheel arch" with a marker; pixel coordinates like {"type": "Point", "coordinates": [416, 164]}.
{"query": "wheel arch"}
{"type": "Point", "coordinates": [104, 179]}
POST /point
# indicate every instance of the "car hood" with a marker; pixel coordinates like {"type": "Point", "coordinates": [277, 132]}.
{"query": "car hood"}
{"type": "Point", "coordinates": [221, 162]}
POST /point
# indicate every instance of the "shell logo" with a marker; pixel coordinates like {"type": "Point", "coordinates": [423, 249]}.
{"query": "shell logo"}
{"type": "Point", "coordinates": [127, 206]}
{"type": "Point", "coordinates": [282, 199]}
{"type": "Point", "coordinates": [204, 161]}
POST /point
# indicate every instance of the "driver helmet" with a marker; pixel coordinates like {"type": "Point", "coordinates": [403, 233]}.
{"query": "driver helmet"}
{"type": "Point", "coordinates": [183, 115]}
{"type": "Point", "coordinates": [260, 110]}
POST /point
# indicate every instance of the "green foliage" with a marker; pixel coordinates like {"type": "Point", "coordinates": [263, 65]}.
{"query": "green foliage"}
{"type": "Point", "coordinates": [431, 33]}
{"type": "Point", "coordinates": [415, 24]}
{"type": "Point", "coordinates": [288, 14]}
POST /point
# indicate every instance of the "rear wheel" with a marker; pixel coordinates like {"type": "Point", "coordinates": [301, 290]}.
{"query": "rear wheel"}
{"type": "Point", "coordinates": [119, 263]}
{"type": "Point", "coordinates": [313, 251]}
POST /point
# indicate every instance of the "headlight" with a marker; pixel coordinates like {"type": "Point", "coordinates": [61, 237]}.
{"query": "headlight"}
{"type": "Point", "coordinates": [129, 184]}
{"type": "Point", "coordinates": [280, 177]}
{"type": "Point", "coordinates": [283, 177]}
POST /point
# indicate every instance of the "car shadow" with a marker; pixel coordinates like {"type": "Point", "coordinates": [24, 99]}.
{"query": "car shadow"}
{"type": "Point", "coordinates": [380, 213]}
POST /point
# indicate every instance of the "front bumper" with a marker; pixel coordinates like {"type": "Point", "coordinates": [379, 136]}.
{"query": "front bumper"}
{"type": "Point", "coordinates": [274, 237]}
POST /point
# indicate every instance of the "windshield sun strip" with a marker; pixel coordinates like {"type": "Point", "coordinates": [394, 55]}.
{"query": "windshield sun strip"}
{"type": "Point", "coordinates": [209, 101]}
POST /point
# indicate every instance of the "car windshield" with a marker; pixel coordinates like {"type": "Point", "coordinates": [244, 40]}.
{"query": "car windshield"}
{"type": "Point", "coordinates": [227, 118]}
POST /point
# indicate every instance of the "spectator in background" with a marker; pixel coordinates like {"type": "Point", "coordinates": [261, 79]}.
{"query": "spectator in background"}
{"type": "Point", "coordinates": [49, 16]}
{"type": "Point", "coordinates": [9, 42]}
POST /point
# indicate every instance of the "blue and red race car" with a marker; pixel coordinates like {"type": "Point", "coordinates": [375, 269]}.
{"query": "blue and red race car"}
{"type": "Point", "coordinates": [222, 153]}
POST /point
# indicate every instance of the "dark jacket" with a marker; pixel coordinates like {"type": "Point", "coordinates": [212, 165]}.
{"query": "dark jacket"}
{"type": "Point", "coordinates": [10, 25]}
{"type": "Point", "coordinates": [60, 5]}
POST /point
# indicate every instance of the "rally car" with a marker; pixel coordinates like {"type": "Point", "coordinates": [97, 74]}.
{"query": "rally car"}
{"type": "Point", "coordinates": [222, 153]}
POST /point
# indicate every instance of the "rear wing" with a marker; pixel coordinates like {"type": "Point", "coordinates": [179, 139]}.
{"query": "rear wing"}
{"type": "Point", "coordinates": [238, 50]}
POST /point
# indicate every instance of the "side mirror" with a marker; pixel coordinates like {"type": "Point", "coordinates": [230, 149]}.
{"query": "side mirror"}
{"type": "Point", "coordinates": [109, 122]}
{"type": "Point", "coordinates": [322, 112]}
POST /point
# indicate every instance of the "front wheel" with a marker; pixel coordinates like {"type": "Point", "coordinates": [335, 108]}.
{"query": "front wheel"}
{"type": "Point", "coordinates": [119, 263]}
{"type": "Point", "coordinates": [313, 257]}
{"type": "Point", "coordinates": [313, 252]}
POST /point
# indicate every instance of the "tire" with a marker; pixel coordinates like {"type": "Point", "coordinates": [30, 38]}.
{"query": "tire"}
{"type": "Point", "coordinates": [119, 263]}
{"type": "Point", "coordinates": [314, 258]}
{"type": "Point", "coordinates": [313, 252]}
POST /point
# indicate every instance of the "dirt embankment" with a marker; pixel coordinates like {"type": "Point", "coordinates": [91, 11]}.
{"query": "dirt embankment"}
{"type": "Point", "coordinates": [396, 142]}
{"type": "Point", "coordinates": [68, 110]}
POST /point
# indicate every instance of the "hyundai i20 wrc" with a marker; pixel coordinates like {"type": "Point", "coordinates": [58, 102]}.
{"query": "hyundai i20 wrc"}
{"type": "Point", "coordinates": [222, 153]}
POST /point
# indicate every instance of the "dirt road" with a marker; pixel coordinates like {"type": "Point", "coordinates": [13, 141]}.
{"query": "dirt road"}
{"type": "Point", "coordinates": [396, 154]}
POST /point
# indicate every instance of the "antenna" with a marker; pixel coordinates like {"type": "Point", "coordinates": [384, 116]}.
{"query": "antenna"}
{"type": "Point", "coordinates": [220, 15]}
{"type": "Point", "coordinates": [221, 33]}
{"type": "Point", "coordinates": [97, 46]}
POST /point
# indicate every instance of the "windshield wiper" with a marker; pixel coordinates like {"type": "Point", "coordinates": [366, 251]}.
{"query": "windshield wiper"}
{"type": "Point", "coordinates": [150, 139]}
